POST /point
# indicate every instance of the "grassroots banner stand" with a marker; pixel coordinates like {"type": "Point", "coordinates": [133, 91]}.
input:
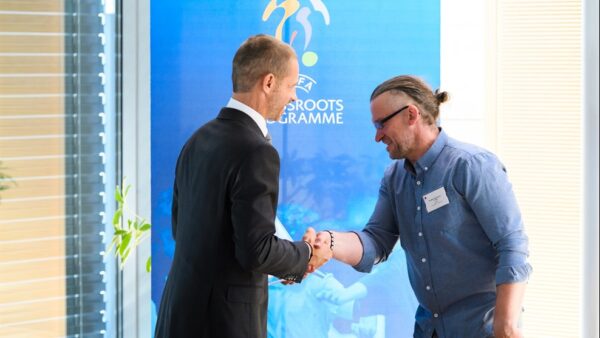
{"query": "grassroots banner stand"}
{"type": "Point", "coordinates": [330, 165]}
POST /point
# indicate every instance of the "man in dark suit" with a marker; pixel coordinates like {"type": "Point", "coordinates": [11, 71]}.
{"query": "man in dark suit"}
{"type": "Point", "coordinates": [224, 204]}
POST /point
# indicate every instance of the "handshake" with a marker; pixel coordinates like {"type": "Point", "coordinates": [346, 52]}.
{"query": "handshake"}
{"type": "Point", "coordinates": [322, 248]}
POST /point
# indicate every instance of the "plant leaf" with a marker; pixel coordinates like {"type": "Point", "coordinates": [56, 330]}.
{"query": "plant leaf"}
{"type": "Point", "coordinates": [112, 244]}
{"type": "Point", "coordinates": [117, 217]}
{"type": "Point", "coordinates": [124, 244]}
{"type": "Point", "coordinates": [118, 196]}
{"type": "Point", "coordinates": [145, 227]}
{"type": "Point", "coordinates": [125, 255]}
{"type": "Point", "coordinates": [149, 264]}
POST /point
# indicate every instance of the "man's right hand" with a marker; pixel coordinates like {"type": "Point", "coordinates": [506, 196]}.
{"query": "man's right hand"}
{"type": "Point", "coordinates": [321, 251]}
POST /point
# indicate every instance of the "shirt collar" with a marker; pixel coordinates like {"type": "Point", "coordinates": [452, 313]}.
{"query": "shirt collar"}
{"type": "Point", "coordinates": [259, 119]}
{"type": "Point", "coordinates": [426, 161]}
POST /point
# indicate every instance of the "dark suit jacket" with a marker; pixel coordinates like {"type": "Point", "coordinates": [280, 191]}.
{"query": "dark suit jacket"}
{"type": "Point", "coordinates": [224, 204]}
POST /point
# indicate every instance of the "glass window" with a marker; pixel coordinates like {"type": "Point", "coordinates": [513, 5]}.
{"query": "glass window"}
{"type": "Point", "coordinates": [58, 132]}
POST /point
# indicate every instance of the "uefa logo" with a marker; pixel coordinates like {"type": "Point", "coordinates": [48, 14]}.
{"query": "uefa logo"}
{"type": "Point", "coordinates": [309, 110]}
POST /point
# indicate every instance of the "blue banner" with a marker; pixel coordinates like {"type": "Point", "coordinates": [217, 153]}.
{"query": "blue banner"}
{"type": "Point", "coordinates": [330, 165]}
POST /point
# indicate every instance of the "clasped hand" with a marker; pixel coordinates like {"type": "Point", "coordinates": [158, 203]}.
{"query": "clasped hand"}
{"type": "Point", "coordinates": [321, 249]}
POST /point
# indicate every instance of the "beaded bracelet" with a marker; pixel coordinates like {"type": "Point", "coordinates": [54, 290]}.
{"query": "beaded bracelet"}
{"type": "Point", "coordinates": [332, 238]}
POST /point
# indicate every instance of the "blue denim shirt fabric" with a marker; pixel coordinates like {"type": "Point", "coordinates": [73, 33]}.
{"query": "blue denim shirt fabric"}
{"type": "Point", "coordinates": [458, 253]}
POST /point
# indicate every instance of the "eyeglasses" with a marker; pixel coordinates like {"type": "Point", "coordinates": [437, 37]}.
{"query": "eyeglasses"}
{"type": "Point", "coordinates": [379, 124]}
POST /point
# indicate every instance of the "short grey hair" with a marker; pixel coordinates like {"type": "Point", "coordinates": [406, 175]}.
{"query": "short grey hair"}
{"type": "Point", "coordinates": [258, 56]}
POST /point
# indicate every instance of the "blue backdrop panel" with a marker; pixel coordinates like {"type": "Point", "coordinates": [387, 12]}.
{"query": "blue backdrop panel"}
{"type": "Point", "coordinates": [330, 165]}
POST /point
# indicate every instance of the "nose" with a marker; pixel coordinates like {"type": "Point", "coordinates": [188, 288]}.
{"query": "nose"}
{"type": "Point", "coordinates": [378, 135]}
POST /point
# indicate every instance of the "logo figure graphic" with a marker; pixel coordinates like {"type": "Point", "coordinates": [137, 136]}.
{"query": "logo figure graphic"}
{"type": "Point", "coordinates": [291, 7]}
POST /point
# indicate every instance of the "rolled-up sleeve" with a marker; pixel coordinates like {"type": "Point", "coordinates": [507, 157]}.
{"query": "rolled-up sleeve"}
{"type": "Point", "coordinates": [490, 195]}
{"type": "Point", "coordinates": [368, 258]}
{"type": "Point", "coordinates": [513, 266]}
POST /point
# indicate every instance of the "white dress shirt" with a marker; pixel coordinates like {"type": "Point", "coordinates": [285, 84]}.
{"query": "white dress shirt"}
{"type": "Point", "coordinates": [259, 119]}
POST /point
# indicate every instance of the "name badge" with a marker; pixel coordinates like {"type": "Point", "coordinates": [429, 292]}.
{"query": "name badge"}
{"type": "Point", "coordinates": [436, 199]}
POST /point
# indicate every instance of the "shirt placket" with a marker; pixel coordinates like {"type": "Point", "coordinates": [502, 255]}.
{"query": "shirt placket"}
{"type": "Point", "coordinates": [423, 248]}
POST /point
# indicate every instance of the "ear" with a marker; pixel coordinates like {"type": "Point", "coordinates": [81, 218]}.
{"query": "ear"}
{"type": "Point", "coordinates": [413, 114]}
{"type": "Point", "coordinates": [268, 82]}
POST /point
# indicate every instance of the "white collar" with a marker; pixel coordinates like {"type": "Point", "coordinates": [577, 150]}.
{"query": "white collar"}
{"type": "Point", "coordinates": [259, 119]}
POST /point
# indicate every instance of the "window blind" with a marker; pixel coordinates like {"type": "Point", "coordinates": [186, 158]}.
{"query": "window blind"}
{"type": "Point", "coordinates": [539, 138]}
{"type": "Point", "coordinates": [53, 141]}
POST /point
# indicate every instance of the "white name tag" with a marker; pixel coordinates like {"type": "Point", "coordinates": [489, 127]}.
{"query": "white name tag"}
{"type": "Point", "coordinates": [436, 199]}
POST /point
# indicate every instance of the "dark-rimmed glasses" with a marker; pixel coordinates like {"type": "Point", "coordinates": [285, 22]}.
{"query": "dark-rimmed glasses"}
{"type": "Point", "coordinates": [379, 124]}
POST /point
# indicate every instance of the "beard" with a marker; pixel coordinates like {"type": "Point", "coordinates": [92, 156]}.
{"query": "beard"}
{"type": "Point", "coordinates": [396, 152]}
{"type": "Point", "coordinates": [398, 149]}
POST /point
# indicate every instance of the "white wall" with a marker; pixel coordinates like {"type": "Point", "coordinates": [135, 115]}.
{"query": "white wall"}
{"type": "Point", "coordinates": [136, 282]}
{"type": "Point", "coordinates": [463, 69]}
{"type": "Point", "coordinates": [468, 73]}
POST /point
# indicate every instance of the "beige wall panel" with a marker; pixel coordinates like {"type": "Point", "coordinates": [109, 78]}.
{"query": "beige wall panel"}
{"type": "Point", "coordinates": [32, 105]}
{"type": "Point", "coordinates": [31, 23]}
{"type": "Point", "coordinates": [30, 291]}
{"type": "Point", "coordinates": [32, 64]}
{"type": "Point", "coordinates": [43, 167]}
{"type": "Point", "coordinates": [36, 147]}
{"type": "Point", "coordinates": [31, 44]}
{"type": "Point", "coordinates": [38, 330]}
{"type": "Point", "coordinates": [42, 126]}
{"type": "Point", "coordinates": [26, 189]}
{"type": "Point", "coordinates": [32, 5]}
{"type": "Point", "coordinates": [43, 310]}
{"type": "Point", "coordinates": [53, 267]}
{"type": "Point", "coordinates": [30, 308]}
{"type": "Point", "coordinates": [18, 250]}
{"type": "Point", "coordinates": [30, 209]}
{"type": "Point", "coordinates": [32, 85]}
{"type": "Point", "coordinates": [12, 231]}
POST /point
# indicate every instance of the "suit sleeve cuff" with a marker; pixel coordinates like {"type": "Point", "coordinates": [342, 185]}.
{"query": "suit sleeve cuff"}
{"type": "Point", "coordinates": [298, 275]}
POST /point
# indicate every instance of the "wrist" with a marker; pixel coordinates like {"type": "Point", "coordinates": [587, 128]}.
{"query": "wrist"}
{"type": "Point", "coordinates": [310, 250]}
{"type": "Point", "coordinates": [503, 328]}
{"type": "Point", "coordinates": [332, 239]}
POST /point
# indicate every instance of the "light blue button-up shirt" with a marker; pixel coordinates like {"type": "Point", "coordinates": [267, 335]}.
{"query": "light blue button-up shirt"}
{"type": "Point", "coordinates": [459, 245]}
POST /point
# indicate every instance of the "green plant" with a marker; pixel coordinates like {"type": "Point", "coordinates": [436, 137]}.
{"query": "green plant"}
{"type": "Point", "coordinates": [5, 179]}
{"type": "Point", "coordinates": [128, 232]}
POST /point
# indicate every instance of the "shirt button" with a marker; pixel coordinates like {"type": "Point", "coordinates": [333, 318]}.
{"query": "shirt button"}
{"type": "Point", "coordinates": [436, 315]}
{"type": "Point", "coordinates": [426, 168]}
{"type": "Point", "coordinates": [428, 287]}
{"type": "Point", "coordinates": [418, 182]}
{"type": "Point", "coordinates": [423, 260]}
{"type": "Point", "coordinates": [420, 234]}
{"type": "Point", "coordinates": [418, 208]}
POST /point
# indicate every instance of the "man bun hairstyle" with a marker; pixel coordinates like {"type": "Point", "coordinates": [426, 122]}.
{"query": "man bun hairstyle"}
{"type": "Point", "coordinates": [441, 97]}
{"type": "Point", "coordinates": [427, 101]}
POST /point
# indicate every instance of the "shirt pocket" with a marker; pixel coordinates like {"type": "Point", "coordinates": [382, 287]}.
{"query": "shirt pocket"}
{"type": "Point", "coordinates": [454, 218]}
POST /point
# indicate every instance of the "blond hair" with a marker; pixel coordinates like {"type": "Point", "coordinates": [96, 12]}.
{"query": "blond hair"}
{"type": "Point", "coordinates": [428, 101]}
